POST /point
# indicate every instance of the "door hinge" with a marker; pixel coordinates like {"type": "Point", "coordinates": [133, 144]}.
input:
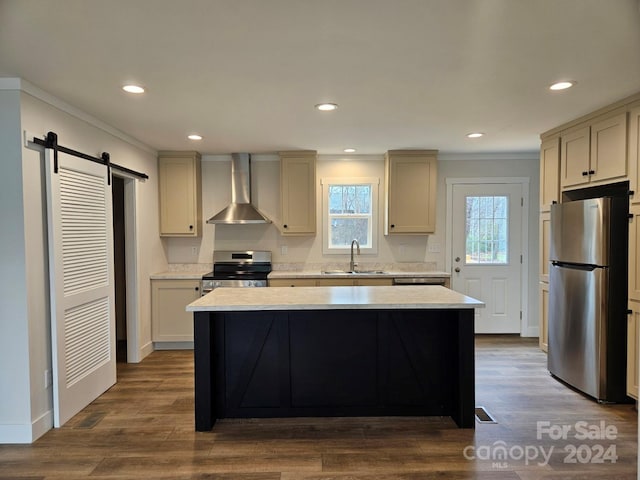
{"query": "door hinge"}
{"type": "Point", "coordinates": [520, 314]}
{"type": "Point", "coordinates": [522, 201]}
{"type": "Point", "coordinates": [521, 259]}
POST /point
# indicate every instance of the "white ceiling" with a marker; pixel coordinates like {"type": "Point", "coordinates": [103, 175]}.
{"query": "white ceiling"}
{"type": "Point", "coordinates": [406, 73]}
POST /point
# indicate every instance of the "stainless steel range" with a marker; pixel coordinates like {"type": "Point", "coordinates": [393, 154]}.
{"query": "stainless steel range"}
{"type": "Point", "coordinates": [237, 269]}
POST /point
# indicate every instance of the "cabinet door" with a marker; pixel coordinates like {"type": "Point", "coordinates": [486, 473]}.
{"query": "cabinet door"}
{"type": "Point", "coordinates": [335, 282]}
{"type": "Point", "coordinates": [634, 253]}
{"type": "Point", "coordinates": [549, 173]}
{"type": "Point", "coordinates": [169, 320]}
{"type": "Point", "coordinates": [292, 282]}
{"type": "Point", "coordinates": [609, 148]}
{"type": "Point", "coordinates": [634, 154]}
{"type": "Point", "coordinates": [633, 357]}
{"type": "Point", "coordinates": [410, 192]}
{"type": "Point", "coordinates": [180, 199]}
{"type": "Point", "coordinates": [298, 192]}
{"type": "Point", "coordinates": [544, 316]}
{"type": "Point", "coordinates": [545, 245]}
{"type": "Point", "coordinates": [574, 157]}
{"type": "Point", "coordinates": [372, 282]}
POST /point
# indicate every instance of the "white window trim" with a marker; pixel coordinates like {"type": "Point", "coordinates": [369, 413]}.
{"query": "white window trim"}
{"type": "Point", "coordinates": [375, 184]}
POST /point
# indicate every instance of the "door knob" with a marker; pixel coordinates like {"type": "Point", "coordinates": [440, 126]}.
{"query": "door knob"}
{"type": "Point", "coordinates": [457, 259]}
{"type": "Point", "coordinates": [457, 269]}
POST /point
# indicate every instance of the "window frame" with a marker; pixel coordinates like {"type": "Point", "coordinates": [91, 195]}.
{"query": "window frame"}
{"type": "Point", "coordinates": [374, 183]}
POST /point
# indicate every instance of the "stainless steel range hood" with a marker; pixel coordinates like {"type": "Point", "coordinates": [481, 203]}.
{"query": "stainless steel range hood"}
{"type": "Point", "coordinates": [240, 211]}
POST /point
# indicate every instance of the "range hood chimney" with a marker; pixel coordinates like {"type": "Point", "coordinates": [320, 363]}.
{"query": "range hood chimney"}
{"type": "Point", "coordinates": [240, 211]}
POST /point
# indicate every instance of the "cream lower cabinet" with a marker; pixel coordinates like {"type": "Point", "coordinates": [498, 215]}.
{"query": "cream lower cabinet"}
{"type": "Point", "coordinates": [633, 357]}
{"type": "Point", "coordinates": [410, 191]}
{"type": "Point", "coordinates": [633, 319]}
{"type": "Point", "coordinates": [330, 282]}
{"type": "Point", "coordinates": [169, 320]}
{"type": "Point", "coordinates": [292, 282]}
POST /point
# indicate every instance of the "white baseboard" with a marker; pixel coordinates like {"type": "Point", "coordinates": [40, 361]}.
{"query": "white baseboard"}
{"type": "Point", "coordinates": [146, 350]}
{"type": "Point", "coordinates": [42, 424]}
{"type": "Point", "coordinates": [173, 345]}
{"type": "Point", "coordinates": [531, 332]}
{"type": "Point", "coordinates": [26, 433]}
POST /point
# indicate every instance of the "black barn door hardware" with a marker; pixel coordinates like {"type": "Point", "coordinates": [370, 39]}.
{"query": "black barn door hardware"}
{"type": "Point", "coordinates": [52, 143]}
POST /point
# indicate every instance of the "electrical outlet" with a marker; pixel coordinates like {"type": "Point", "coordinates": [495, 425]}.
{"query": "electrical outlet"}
{"type": "Point", "coordinates": [284, 250]}
{"type": "Point", "coordinates": [47, 379]}
{"type": "Point", "coordinates": [435, 248]}
{"type": "Point", "coordinates": [194, 250]}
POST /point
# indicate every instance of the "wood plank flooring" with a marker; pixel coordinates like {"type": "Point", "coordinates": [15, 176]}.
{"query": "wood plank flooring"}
{"type": "Point", "coordinates": [143, 428]}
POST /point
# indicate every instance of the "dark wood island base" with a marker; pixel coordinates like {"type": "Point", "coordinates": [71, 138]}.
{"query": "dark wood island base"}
{"type": "Point", "coordinates": [339, 362]}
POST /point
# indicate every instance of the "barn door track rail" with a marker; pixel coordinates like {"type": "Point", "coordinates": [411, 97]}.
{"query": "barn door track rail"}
{"type": "Point", "coordinates": [52, 142]}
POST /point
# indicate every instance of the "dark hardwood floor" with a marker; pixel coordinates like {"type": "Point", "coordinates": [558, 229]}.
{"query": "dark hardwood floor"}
{"type": "Point", "coordinates": [143, 428]}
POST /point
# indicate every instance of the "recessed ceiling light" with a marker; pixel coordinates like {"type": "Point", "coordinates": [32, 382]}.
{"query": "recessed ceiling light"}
{"type": "Point", "coordinates": [475, 135]}
{"type": "Point", "coordinates": [133, 89]}
{"type": "Point", "coordinates": [349, 150]}
{"type": "Point", "coordinates": [562, 85]}
{"type": "Point", "coordinates": [194, 136]}
{"type": "Point", "coordinates": [326, 107]}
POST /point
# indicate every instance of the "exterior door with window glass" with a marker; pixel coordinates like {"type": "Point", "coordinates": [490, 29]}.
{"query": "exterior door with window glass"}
{"type": "Point", "coordinates": [487, 253]}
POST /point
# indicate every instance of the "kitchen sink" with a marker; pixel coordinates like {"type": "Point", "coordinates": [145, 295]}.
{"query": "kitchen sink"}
{"type": "Point", "coordinates": [357, 272]}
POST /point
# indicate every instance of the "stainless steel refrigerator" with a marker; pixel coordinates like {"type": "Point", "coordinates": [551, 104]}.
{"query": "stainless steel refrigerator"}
{"type": "Point", "coordinates": [588, 296]}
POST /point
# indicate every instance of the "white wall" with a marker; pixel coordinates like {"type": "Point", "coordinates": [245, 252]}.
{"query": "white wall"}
{"type": "Point", "coordinates": [14, 329]}
{"type": "Point", "coordinates": [216, 174]}
{"type": "Point", "coordinates": [26, 326]}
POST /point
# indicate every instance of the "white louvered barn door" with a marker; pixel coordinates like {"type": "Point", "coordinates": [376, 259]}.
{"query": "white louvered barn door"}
{"type": "Point", "coordinates": [81, 283]}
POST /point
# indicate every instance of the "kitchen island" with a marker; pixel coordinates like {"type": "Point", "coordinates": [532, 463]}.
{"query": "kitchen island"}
{"type": "Point", "coordinates": [334, 351]}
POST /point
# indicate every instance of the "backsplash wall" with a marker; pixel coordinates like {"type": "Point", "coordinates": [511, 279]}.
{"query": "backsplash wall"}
{"type": "Point", "coordinates": [265, 187]}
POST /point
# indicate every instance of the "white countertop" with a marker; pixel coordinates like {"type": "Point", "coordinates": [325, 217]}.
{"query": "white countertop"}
{"type": "Point", "coordinates": [332, 298]}
{"type": "Point", "coordinates": [177, 275]}
{"type": "Point", "coordinates": [386, 274]}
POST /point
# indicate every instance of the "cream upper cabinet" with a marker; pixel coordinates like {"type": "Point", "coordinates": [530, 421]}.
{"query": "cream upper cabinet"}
{"type": "Point", "coordinates": [634, 154]}
{"type": "Point", "coordinates": [180, 194]}
{"type": "Point", "coordinates": [596, 153]}
{"type": "Point", "coordinates": [574, 157]}
{"type": "Point", "coordinates": [410, 191]}
{"type": "Point", "coordinates": [170, 322]}
{"type": "Point", "coordinates": [298, 192]}
{"type": "Point", "coordinates": [549, 173]}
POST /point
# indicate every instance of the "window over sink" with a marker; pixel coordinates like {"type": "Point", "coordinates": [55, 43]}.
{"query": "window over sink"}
{"type": "Point", "coordinates": [350, 212]}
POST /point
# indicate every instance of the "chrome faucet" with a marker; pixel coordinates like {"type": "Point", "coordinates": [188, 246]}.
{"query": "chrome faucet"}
{"type": "Point", "coordinates": [352, 264]}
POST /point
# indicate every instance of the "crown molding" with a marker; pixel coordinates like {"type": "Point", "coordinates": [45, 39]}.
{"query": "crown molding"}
{"type": "Point", "coordinates": [9, 83]}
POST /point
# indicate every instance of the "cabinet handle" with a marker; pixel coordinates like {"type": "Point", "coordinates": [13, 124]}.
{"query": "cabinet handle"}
{"type": "Point", "coordinates": [285, 226]}
{"type": "Point", "coordinates": [190, 227]}
{"type": "Point", "coordinates": [629, 312]}
{"type": "Point", "coordinates": [197, 288]}
{"type": "Point", "coordinates": [585, 173]}
{"type": "Point", "coordinates": [393, 226]}
{"type": "Point", "coordinates": [592, 172]}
